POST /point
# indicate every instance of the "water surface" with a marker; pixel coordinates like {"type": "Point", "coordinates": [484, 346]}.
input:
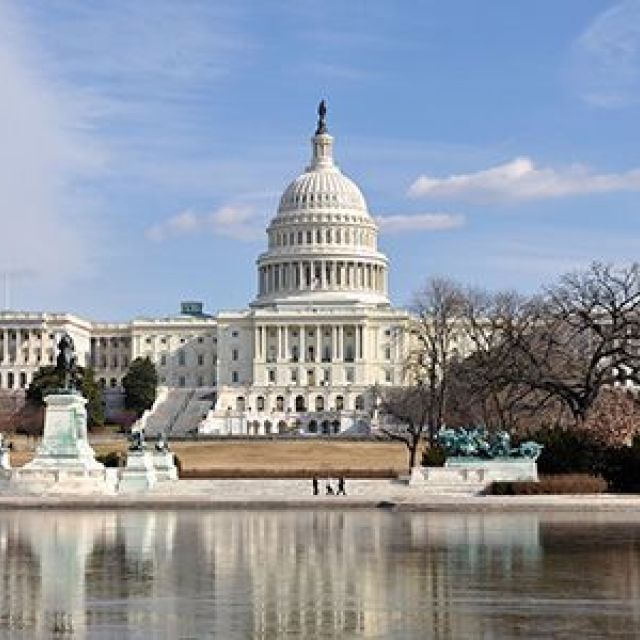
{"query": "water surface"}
{"type": "Point", "coordinates": [318, 574]}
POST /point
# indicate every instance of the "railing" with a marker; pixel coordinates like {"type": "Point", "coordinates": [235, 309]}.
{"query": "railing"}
{"type": "Point", "coordinates": [181, 409]}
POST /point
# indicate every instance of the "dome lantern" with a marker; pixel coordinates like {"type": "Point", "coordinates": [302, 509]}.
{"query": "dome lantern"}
{"type": "Point", "coordinates": [322, 242]}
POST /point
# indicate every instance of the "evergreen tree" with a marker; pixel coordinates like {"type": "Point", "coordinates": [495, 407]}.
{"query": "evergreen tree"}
{"type": "Point", "coordinates": [48, 380]}
{"type": "Point", "coordinates": [140, 385]}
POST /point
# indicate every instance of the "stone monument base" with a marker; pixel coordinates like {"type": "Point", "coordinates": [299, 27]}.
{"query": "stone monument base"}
{"type": "Point", "coordinates": [62, 481]}
{"type": "Point", "coordinates": [165, 466]}
{"type": "Point", "coordinates": [472, 476]}
{"type": "Point", "coordinates": [65, 462]}
{"type": "Point", "coordinates": [5, 463]}
{"type": "Point", "coordinates": [139, 473]}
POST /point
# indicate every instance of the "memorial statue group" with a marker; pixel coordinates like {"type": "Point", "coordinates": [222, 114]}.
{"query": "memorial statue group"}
{"type": "Point", "coordinates": [476, 442]}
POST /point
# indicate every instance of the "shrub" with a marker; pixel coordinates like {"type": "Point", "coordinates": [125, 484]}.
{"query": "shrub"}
{"type": "Point", "coordinates": [569, 452]}
{"type": "Point", "coordinates": [434, 457]}
{"type": "Point", "coordinates": [111, 459]}
{"type": "Point", "coordinates": [622, 468]}
{"type": "Point", "coordinates": [576, 483]}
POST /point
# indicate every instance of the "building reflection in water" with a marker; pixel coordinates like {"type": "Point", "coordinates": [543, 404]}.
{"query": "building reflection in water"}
{"type": "Point", "coordinates": [239, 574]}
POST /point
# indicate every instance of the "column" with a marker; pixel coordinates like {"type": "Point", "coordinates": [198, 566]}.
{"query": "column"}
{"type": "Point", "coordinates": [301, 333]}
{"type": "Point", "coordinates": [5, 347]}
{"type": "Point", "coordinates": [318, 343]}
{"type": "Point", "coordinates": [340, 343]}
{"type": "Point", "coordinates": [334, 343]}
{"type": "Point", "coordinates": [286, 342]}
{"type": "Point", "coordinates": [359, 342]}
{"type": "Point", "coordinates": [256, 343]}
{"type": "Point", "coordinates": [279, 345]}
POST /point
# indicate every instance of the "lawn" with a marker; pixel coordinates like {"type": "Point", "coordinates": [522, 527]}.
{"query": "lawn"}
{"type": "Point", "coordinates": [271, 458]}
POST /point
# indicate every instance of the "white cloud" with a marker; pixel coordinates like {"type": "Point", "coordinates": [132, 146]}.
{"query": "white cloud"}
{"type": "Point", "coordinates": [520, 179]}
{"type": "Point", "coordinates": [240, 222]}
{"type": "Point", "coordinates": [182, 223]}
{"type": "Point", "coordinates": [46, 154]}
{"type": "Point", "coordinates": [420, 222]}
{"type": "Point", "coordinates": [606, 57]}
{"type": "Point", "coordinates": [237, 221]}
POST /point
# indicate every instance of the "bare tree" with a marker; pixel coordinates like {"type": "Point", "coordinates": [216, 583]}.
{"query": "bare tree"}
{"type": "Point", "coordinates": [580, 338]}
{"type": "Point", "coordinates": [436, 308]}
{"type": "Point", "coordinates": [404, 415]}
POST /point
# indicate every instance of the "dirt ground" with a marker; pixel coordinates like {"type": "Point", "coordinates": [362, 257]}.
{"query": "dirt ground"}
{"type": "Point", "coordinates": [268, 458]}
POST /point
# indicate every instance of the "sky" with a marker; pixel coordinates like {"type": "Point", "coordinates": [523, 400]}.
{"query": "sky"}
{"type": "Point", "coordinates": [144, 145]}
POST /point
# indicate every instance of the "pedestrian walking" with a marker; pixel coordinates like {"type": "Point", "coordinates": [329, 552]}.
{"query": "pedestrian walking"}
{"type": "Point", "coordinates": [330, 491]}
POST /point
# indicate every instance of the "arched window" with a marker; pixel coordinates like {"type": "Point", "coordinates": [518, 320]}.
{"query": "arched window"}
{"type": "Point", "coordinates": [325, 427]}
{"type": "Point", "coordinates": [336, 426]}
{"type": "Point", "coordinates": [282, 426]}
{"type": "Point", "coordinates": [339, 403]}
{"type": "Point", "coordinates": [23, 380]}
{"type": "Point", "coordinates": [319, 403]}
{"type": "Point", "coordinates": [328, 236]}
{"type": "Point", "coordinates": [359, 403]}
{"type": "Point", "coordinates": [260, 403]}
{"type": "Point", "coordinates": [318, 237]}
{"type": "Point", "coordinates": [267, 426]}
{"type": "Point", "coordinates": [10, 380]}
{"type": "Point", "coordinates": [300, 405]}
{"type": "Point", "coordinates": [240, 403]}
{"type": "Point", "coordinates": [313, 426]}
{"type": "Point", "coordinates": [279, 403]}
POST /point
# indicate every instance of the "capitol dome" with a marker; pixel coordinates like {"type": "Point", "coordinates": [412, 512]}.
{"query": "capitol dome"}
{"type": "Point", "coordinates": [322, 241]}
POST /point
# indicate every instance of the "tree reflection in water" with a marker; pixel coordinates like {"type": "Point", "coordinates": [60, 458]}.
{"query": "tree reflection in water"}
{"type": "Point", "coordinates": [244, 574]}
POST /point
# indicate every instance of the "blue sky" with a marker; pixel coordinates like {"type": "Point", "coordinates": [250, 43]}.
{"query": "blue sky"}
{"type": "Point", "coordinates": [143, 145]}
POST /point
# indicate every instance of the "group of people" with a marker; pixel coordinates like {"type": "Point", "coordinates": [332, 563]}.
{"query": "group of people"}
{"type": "Point", "coordinates": [340, 490]}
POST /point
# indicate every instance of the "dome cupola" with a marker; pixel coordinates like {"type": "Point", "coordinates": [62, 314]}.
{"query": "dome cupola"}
{"type": "Point", "coordinates": [322, 241]}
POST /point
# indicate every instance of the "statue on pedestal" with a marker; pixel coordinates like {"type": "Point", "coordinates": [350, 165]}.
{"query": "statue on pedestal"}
{"type": "Point", "coordinates": [136, 441]}
{"type": "Point", "coordinates": [66, 363]}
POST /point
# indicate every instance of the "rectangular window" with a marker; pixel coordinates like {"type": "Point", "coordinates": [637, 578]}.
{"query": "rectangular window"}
{"type": "Point", "coordinates": [272, 375]}
{"type": "Point", "coordinates": [181, 359]}
{"type": "Point", "coordinates": [200, 360]}
{"type": "Point", "coordinates": [294, 375]}
{"type": "Point", "coordinates": [387, 353]}
{"type": "Point", "coordinates": [349, 375]}
{"type": "Point", "coordinates": [234, 354]}
{"type": "Point", "coordinates": [234, 376]}
{"type": "Point", "coordinates": [387, 375]}
{"type": "Point", "coordinates": [163, 359]}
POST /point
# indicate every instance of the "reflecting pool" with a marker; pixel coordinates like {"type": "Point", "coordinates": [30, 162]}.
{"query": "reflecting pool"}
{"type": "Point", "coordinates": [318, 574]}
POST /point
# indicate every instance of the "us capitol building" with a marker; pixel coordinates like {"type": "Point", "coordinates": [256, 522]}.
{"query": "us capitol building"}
{"type": "Point", "coordinates": [303, 357]}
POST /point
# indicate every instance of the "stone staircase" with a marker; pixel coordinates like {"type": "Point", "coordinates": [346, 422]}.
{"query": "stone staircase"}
{"type": "Point", "coordinates": [180, 413]}
{"type": "Point", "coordinates": [195, 410]}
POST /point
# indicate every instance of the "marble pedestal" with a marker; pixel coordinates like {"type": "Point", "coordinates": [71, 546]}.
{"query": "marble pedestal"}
{"type": "Point", "coordinates": [5, 462]}
{"type": "Point", "coordinates": [64, 461]}
{"type": "Point", "coordinates": [165, 466]}
{"type": "Point", "coordinates": [472, 476]}
{"type": "Point", "coordinates": [139, 474]}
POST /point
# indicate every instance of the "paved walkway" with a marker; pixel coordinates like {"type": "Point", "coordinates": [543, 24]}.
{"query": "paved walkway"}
{"type": "Point", "coordinates": [272, 494]}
